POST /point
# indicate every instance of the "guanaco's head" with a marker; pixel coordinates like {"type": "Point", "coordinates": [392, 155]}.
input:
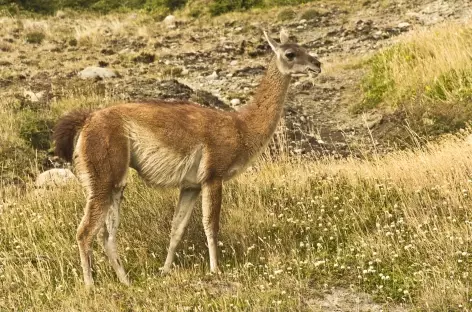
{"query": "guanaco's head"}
{"type": "Point", "coordinates": [292, 58]}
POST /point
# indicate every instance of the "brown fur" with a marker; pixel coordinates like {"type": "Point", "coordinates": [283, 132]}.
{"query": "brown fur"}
{"type": "Point", "coordinates": [171, 144]}
{"type": "Point", "coordinates": [66, 130]}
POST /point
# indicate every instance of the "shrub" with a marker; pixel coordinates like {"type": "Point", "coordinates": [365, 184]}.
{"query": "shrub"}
{"type": "Point", "coordinates": [104, 6]}
{"type": "Point", "coordinates": [38, 6]}
{"type": "Point", "coordinates": [36, 129]}
{"type": "Point", "coordinates": [195, 12]}
{"type": "Point", "coordinates": [286, 2]}
{"type": "Point", "coordinates": [73, 42]}
{"type": "Point", "coordinates": [310, 14]}
{"type": "Point", "coordinates": [286, 14]}
{"type": "Point", "coordinates": [219, 7]}
{"type": "Point", "coordinates": [35, 37]}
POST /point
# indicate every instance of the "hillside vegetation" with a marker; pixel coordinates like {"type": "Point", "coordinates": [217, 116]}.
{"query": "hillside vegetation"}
{"type": "Point", "coordinates": [428, 74]}
{"type": "Point", "coordinates": [214, 7]}
{"type": "Point", "coordinates": [367, 231]}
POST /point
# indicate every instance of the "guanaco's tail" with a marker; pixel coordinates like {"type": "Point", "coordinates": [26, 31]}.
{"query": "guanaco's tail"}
{"type": "Point", "coordinates": [65, 131]}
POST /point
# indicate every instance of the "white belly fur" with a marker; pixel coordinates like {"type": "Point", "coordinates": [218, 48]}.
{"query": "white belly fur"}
{"type": "Point", "coordinates": [159, 165]}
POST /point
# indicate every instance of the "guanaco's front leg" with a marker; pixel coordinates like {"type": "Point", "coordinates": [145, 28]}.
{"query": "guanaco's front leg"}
{"type": "Point", "coordinates": [183, 211]}
{"type": "Point", "coordinates": [211, 206]}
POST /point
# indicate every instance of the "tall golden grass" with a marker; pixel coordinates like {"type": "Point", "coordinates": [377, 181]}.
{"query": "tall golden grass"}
{"type": "Point", "coordinates": [397, 227]}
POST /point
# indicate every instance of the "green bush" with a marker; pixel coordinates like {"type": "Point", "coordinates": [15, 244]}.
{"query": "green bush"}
{"type": "Point", "coordinates": [215, 7]}
{"type": "Point", "coordinates": [35, 37]}
{"type": "Point", "coordinates": [287, 2]}
{"type": "Point", "coordinates": [219, 7]}
{"type": "Point", "coordinates": [310, 14]}
{"type": "Point", "coordinates": [104, 6]}
{"type": "Point", "coordinates": [286, 14]}
{"type": "Point", "coordinates": [36, 129]}
{"type": "Point", "coordinates": [38, 6]}
{"type": "Point", "coordinates": [379, 81]}
{"type": "Point", "coordinates": [195, 12]}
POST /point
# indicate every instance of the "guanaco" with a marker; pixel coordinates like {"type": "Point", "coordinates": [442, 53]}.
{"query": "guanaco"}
{"type": "Point", "coordinates": [179, 144]}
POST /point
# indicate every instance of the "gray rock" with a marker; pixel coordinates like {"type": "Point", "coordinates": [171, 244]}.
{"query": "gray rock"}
{"type": "Point", "coordinates": [33, 97]}
{"type": "Point", "coordinates": [54, 177]}
{"type": "Point", "coordinates": [93, 72]}
{"type": "Point", "coordinates": [372, 119]}
{"type": "Point", "coordinates": [213, 76]}
{"type": "Point", "coordinates": [404, 25]}
{"type": "Point", "coordinates": [235, 102]}
{"type": "Point", "coordinates": [170, 22]}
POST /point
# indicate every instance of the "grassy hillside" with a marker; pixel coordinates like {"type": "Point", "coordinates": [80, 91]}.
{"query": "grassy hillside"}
{"type": "Point", "coordinates": [393, 230]}
{"type": "Point", "coordinates": [428, 75]}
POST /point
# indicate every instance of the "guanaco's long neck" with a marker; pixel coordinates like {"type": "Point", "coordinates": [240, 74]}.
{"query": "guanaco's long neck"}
{"type": "Point", "coordinates": [262, 115]}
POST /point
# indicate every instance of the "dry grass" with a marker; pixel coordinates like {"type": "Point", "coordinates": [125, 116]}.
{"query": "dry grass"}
{"type": "Point", "coordinates": [397, 227]}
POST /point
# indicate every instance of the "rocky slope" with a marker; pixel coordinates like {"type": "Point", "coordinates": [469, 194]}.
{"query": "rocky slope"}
{"type": "Point", "coordinates": [219, 63]}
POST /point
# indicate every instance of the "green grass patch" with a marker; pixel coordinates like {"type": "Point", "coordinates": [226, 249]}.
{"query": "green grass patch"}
{"type": "Point", "coordinates": [434, 65]}
{"type": "Point", "coordinates": [427, 75]}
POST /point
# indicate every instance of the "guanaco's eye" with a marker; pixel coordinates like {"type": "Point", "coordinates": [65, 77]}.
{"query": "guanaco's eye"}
{"type": "Point", "coordinates": [290, 55]}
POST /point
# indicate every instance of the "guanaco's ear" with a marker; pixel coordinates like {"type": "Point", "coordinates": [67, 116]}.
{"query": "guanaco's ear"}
{"type": "Point", "coordinates": [284, 36]}
{"type": "Point", "coordinates": [274, 45]}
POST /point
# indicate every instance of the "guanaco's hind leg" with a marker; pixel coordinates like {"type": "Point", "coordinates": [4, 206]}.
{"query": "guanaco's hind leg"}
{"type": "Point", "coordinates": [183, 211]}
{"type": "Point", "coordinates": [211, 206]}
{"type": "Point", "coordinates": [102, 160]}
{"type": "Point", "coordinates": [93, 220]}
{"type": "Point", "coordinates": [110, 229]}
